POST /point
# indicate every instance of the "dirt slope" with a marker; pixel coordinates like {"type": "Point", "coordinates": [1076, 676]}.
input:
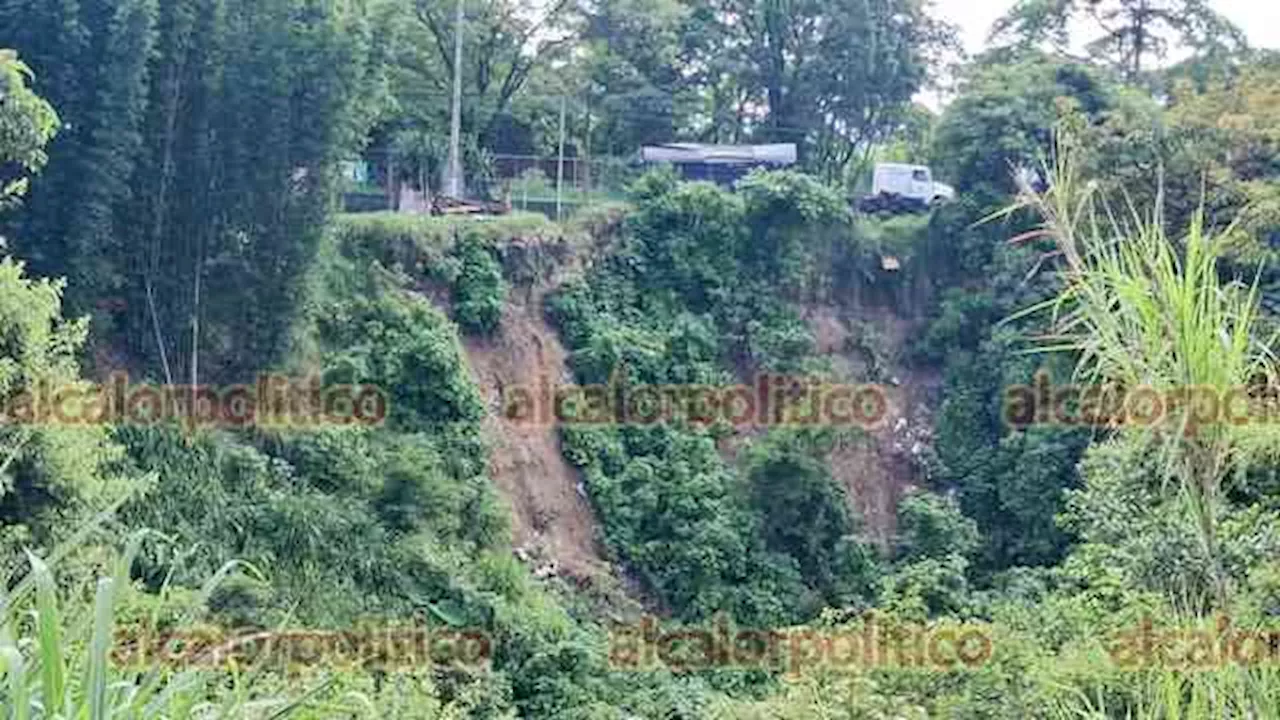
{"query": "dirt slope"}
{"type": "Point", "coordinates": [864, 345]}
{"type": "Point", "coordinates": [552, 520]}
{"type": "Point", "coordinates": [879, 467]}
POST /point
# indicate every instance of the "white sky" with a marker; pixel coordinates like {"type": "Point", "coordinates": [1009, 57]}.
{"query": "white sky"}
{"type": "Point", "coordinates": [1260, 19]}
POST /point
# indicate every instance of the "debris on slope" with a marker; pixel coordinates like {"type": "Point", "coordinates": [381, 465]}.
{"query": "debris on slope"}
{"type": "Point", "coordinates": [552, 521]}
{"type": "Point", "coordinates": [879, 467]}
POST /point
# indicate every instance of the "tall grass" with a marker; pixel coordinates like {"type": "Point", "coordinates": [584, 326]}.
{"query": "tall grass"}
{"type": "Point", "coordinates": [1141, 309]}
{"type": "Point", "coordinates": [56, 658]}
{"type": "Point", "coordinates": [1163, 694]}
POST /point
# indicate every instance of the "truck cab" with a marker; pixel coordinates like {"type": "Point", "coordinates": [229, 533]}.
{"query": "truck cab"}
{"type": "Point", "coordinates": [905, 188]}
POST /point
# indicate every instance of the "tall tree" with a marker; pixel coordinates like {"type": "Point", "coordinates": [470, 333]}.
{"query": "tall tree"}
{"type": "Point", "coordinates": [113, 131]}
{"type": "Point", "coordinates": [201, 144]}
{"type": "Point", "coordinates": [636, 56]}
{"type": "Point", "coordinates": [504, 41]}
{"type": "Point", "coordinates": [27, 124]}
{"type": "Point", "coordinates": [1134, 34]}
{"type": "Point", "coordinates": [832, 77]}
{"type": "Point", "coordinates": [53, 475]}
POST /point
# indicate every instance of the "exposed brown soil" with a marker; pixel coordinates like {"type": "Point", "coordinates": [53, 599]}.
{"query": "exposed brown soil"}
{"type": "Point", "coordinates": [877, 468]}
{"type": "Point", "coordinates": [552, 520]}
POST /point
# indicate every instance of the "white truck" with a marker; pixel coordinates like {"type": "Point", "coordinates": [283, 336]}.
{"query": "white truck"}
{"type": "Point", "coordinates": [897, 187]}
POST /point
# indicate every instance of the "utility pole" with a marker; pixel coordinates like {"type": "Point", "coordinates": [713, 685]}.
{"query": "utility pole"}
{"type": "Point", "coordinates": [453, 185]}
{"type": "Point", "coordinates": [586, 153]}
{"type": "Point", "coordinates": [560, 164]}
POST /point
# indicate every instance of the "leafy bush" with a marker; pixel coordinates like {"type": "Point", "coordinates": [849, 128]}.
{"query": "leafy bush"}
{"type": "Point", "coordinates": [479, 292]}
{"type": "Point", "coordinates": [932, 526]}
{"type": "Point", "coordinates": [670, 511]}
{"type": "Point", "coordinates": [406, 347]}
{"type": "Point", "coordinates": [689, 293]}
{"type": "Point", "coordinates": [54, 475]}
{"type": "Point", "coordinates": [805, 515]}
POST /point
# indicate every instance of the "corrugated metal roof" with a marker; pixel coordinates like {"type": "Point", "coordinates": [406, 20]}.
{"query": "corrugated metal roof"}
{"type": "Point", "coordinates": [774, 154]}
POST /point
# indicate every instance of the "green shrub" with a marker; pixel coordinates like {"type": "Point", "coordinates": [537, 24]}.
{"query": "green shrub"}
{"type": "Point", "coordinates": [479, 291]}
{"type": "Point", "coordinates": [805, 515]}
{"type": "Point", "coordinates": [406, 347]}
{"type": "Point", "coordinates": [932, 526]}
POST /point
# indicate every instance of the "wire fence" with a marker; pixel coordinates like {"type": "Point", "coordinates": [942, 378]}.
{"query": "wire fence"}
{"type": "Point", "coordinates": [532, 183]}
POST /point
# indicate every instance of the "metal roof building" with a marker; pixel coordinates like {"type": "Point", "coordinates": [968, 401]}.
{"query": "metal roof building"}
{"type": "Point", "coordinates": [719, 163]}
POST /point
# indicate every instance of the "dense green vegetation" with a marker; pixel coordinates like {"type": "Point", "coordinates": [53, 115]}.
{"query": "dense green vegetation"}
{"type": "Point", "coordinates": [169, 181]}
{"type": "Point", "coordinates": [196, 153]}
{"type": "Point", "coordinates": [696, 286]}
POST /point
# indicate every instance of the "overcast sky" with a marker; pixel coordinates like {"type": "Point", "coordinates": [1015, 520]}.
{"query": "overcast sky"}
{"type": "Point", "coordinates": [1260, 19]}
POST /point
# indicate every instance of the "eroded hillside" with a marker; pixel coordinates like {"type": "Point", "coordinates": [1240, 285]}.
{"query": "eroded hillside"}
{"type": "Point", "coordinates": [551, 515]}
{"type": "Point", "coordinates": [561, 510]}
